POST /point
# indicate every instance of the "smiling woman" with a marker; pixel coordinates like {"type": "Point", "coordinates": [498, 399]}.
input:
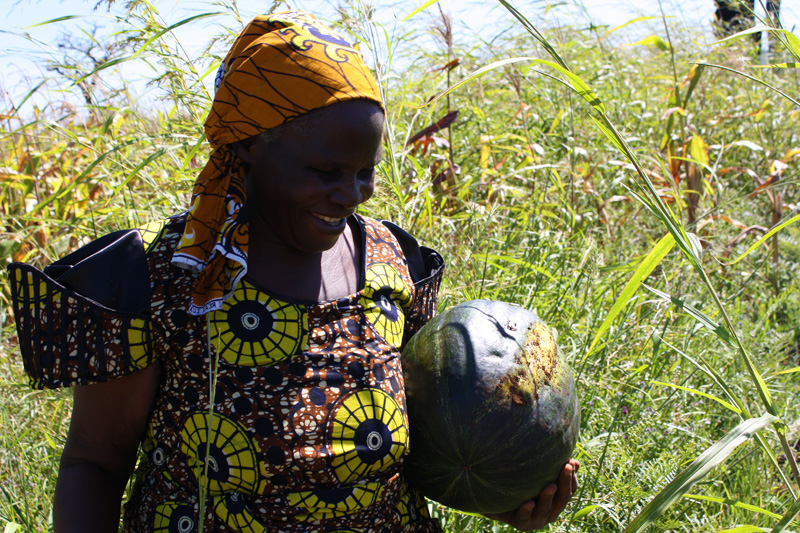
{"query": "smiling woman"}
{"type": "Point", "coordinates": [250, 345]}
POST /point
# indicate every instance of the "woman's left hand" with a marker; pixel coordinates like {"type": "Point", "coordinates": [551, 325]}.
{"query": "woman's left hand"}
{"type": "Point", "coordinates": [535, 514]}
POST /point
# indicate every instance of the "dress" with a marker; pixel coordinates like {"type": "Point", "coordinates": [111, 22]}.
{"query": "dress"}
{"type": "Point", "coordinates": [308, 427]}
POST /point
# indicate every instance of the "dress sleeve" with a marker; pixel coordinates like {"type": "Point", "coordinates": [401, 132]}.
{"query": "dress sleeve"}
{"type": "Point", "coordinates": [85, 318]}
{"type": "Point", "coordinates": [426, 268]}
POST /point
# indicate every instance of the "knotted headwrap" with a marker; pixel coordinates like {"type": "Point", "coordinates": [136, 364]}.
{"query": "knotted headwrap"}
{"type": "Point", "coordinates": [280, 67]}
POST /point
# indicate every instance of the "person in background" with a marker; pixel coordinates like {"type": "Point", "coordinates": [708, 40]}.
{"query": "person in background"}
{"type": "Point", "coordinates": [250, 346]}
{"type": "Point", "coordinates": [732, 16]}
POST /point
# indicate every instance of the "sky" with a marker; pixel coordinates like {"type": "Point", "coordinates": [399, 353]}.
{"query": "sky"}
{"type": "Point", "coordinates": [470, 16]}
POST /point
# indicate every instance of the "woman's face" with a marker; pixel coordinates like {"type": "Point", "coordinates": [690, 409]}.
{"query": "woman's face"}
{"type": "Point", "coordinates": [303, 184]}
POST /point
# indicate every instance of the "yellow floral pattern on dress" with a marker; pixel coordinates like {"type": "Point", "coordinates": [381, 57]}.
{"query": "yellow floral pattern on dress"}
{"type": "Point", "coordinates": [368, 434]}
{"type": "Point", "coordinates": [229, 462]}
{"type": "Point", "coordinates": [384, 289]}
{"type": "Point", "coordinates": [232, 509]}
{"type": "Point", "coordinates": [336, 502]}
{"type": "Point", "coordinates": [254, 329]}
{"type": "Point", "coordinates": [173, 516]}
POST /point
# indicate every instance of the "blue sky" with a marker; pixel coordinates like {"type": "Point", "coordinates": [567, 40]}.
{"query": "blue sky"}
{"type": "Point", "coordinates": [469, 16]}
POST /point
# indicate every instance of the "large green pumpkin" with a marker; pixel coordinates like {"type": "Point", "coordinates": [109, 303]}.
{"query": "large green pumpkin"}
{"type": "Point", "coordinates": [492, 407]}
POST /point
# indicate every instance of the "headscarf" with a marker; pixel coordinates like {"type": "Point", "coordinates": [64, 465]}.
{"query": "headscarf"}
{"type": "Point", "coordinates": [280, 67]}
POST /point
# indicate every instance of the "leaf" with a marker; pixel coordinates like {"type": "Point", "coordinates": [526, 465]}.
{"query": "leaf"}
{"type": "Point", "coordinates": [788, 517]}
{"type": "Point", "coordinates": [779, 65]}
{"type": "Point", "coordinates": [790, 371]}
{"type": "Point", "coordinates": [423, 7]}
{"type": "Point", "coordinates": [698, 150]}
{"type": "Point", "coordinates": [478, 73]}
{"type": "Point", "coordinates": [144, 46]}
{"type": "Point", "coordinates": [749, 77]}
{"type": "Point", "coordinates": [732, 503]}
{"type": "Point", "coordinates": [743, 529]}
{"type": "Point", "coordinates": [747, 144]}
{"type": "Point", "coordinates": [578, 85]}
{"type": "Point", "coordinates": [700, 393]}
{"type": "Point", "coordinates": [583, 512]}
{"type": "Point", "coordinates": [765, 237]}
{"type": "Point", "coordinates": [639, 19]}
{"type": "Point", "coordinates": [696, 314]}
{"type": "Point", "coordinates": [696, 471]}
{"type": "Point", "coordinates": [653, 40]}
{"type": "Point", "coordinates": [55, 20]}
{"type": "Point", "coordinates": [659, 251]}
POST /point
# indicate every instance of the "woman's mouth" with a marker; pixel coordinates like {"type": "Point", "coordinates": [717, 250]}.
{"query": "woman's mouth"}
{"type": "Point", "coordinates": [330, 221]}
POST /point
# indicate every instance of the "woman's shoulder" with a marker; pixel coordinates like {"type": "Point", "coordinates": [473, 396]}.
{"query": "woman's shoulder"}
{"type": "Point", "coordinates": [85, 318]}
{"type": "Point", "coordinates": [423, 262]}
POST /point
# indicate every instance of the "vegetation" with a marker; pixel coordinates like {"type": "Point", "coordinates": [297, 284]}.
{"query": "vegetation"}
{"type": "Point", "coordinates": [626, 193]}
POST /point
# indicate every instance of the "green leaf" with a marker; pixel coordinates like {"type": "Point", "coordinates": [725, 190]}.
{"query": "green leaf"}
{"type": "Point", "coordinates": [788, 517]}
{"type": "Point", "coordinates": [697, 314]}
{"type": "Point", "coordinates": [765, 237]}
{"type": "Point", "coordinates": [423, 7]}
{"type": "Point", "coordinates": [659, 251]}
{"type": "Point", "coordinates": [481, 71]}
{"type": "Point", "coordinates": [584, 512]}
{"type": "Point", "coordinates": [696, 471]}
{"type": "Point", "coordinates": [700, 393]}
{"type": "Point", "coordinates": [653, 40]}
{"type": "Point", "coordinates": [55, 20]}
{"type": "Point", "coordinates": [790, 371]}
{"type": "Point", "coordinates": [578, 85]}
{"type": "Point", "coordinates": [698, 150]}
{"type": "Point", "coordinates": [743, 529]}
{"type": "Point", "coordinates": [638, 19]}
{"type": "Point", "coordinates": [732, 503]}
{"type": "Point", "coordinates": [749, 77]}
{"type": "Point", "coordinates": [779, 65]}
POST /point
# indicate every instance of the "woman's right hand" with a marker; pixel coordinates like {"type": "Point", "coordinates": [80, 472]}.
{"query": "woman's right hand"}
{"type": "Point", "coordinates": [108, 422]}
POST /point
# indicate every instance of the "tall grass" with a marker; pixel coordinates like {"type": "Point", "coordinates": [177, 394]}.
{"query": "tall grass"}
{"type": "Point", "coordinates": [610, 188]}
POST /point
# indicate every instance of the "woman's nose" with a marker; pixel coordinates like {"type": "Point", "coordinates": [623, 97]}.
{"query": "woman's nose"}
{"type": "Point", "coordinates": [352, 191]}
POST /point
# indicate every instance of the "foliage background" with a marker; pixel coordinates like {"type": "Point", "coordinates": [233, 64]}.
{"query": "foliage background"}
{"type": "Point", "coordinates": [525, 197]}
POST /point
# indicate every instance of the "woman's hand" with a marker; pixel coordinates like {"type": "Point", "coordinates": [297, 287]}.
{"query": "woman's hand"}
{"type": "Point", "coordinates": [535, 514]}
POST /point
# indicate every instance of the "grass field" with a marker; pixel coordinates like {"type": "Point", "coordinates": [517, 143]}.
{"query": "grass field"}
{"type": "Point", "coordinates": [626, 193]}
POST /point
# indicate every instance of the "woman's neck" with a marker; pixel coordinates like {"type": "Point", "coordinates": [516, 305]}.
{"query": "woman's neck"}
{"type": "Point", "coordinates": [322, 276]}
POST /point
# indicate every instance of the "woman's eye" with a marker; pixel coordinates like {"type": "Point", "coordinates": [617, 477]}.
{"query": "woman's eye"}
{"type": "Point", "coordinates": [327, 175]}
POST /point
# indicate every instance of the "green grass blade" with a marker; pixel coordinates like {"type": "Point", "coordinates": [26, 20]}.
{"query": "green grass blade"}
{"type": "Point", "coordinates": [720, 401]}
{"type": "Point", "coordinates": [478, 73]}
{"type": "Point", "coordinates": [696, 471]}
{"type": "Point", "coordinates": [779, 65]}
{"type": "Point", "coordinates": [764, 238]}
{"type": "Point", "coordinates": [790, 371]}
{"type": "Point", "coordinates": [697, 314]}
{"type": "Point", "coordinates": [788, 517]}
{"type": "Point", "coordinates": [423, 7]}
{"type": "Point", "coordinates": [55, 20]}
{"type": "Point", "coordinates": [659, 251]}
{"type": "Point", "coordinates": [732, 503]}
{"type": "Point", "coordinates": [743, 529]}
{"type": "Point", "coordinates": [638, 19]}
{"type": "Point", "coordinates": [752, 78]}
{"type": "Point", "coordinates": [144, 46]}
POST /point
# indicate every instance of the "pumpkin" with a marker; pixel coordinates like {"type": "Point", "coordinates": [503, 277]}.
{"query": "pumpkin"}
{"type": "Point", "coordinates": [492, 407]}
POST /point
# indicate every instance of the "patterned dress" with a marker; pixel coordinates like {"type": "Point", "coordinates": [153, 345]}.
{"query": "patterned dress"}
{"type": "Point", "coordinates": [272, 414]}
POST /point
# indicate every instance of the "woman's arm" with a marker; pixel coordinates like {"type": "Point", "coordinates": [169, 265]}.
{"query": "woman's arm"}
{"type": "Point", "coordinates": [108, 422]}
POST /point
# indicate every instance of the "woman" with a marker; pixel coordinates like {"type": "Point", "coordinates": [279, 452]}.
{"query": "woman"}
{"type": "Point", "coordinates": [250, 345]}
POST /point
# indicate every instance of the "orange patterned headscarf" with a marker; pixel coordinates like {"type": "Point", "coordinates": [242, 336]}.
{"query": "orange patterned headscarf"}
{"type": "Point", "coordinates": [280, 67]}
